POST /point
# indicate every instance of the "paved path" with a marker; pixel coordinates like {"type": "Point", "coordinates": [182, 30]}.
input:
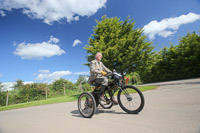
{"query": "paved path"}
{"type": "Point", "coordinates": [172, 108]}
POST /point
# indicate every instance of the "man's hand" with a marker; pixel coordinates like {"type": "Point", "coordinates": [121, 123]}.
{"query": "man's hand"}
{"type": "Point", "coordinates": [103, 73]}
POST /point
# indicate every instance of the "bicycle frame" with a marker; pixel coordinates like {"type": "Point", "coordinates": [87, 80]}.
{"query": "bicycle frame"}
{"type": "Point", "coordinates": [117, 85]}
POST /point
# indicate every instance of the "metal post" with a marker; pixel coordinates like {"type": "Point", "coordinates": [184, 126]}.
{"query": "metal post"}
{"type": "Point", "coordinates": [46, 92]}
{"type": "Point", "coordinates": [64, 89]}
{"type": "Point", "coordinates": [7, 99]}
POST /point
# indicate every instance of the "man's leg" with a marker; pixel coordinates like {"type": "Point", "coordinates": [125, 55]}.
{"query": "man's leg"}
{"type": "Point", "coordinates": [104, 83]}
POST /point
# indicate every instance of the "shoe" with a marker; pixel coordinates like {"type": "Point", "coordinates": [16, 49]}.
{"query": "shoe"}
{"type": "Point", "coordinates": [102, 98]}
{"type": "Point", "coordinates": [114, 101]}
{"type": "Point", "coordinates": [90, 100]}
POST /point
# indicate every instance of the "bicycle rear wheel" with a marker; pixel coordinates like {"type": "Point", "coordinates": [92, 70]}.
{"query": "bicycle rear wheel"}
{"type": "Point", "coordinates": [86, 105]}
{"type": "Point", "coordinates": [130, 99]}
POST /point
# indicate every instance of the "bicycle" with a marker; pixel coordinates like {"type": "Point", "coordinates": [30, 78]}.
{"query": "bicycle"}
{"type": "Point", "coordinates": [127, 95]}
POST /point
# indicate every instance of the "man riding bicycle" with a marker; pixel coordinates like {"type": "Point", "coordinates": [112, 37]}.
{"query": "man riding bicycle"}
{"type": "Point", "coordinates": [98, 74]}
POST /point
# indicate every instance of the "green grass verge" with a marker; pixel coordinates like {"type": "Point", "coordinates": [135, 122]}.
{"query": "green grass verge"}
{"type": "Point", "coordinates": [146, 88]}
{"type": "Point", "coordinates": [57, 100]}
{"type": "Point", "coordinates": [41, 102]}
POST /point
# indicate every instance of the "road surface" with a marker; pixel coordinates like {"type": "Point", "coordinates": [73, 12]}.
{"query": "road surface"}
{"type": "Point", "coordinates": [172, 108]}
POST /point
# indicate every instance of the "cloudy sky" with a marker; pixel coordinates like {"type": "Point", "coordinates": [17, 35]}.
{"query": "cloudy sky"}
{"type": "Point", "coordinates": [43, 40]}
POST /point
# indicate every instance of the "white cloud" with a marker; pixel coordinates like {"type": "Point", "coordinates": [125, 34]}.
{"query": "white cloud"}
{"type": "Point", "coordinates": [82, 73]}
{"type": "Point", "coordinates": [168, 26]}
{"type": "Point", "coordinates": [53, 40]}
{"type": "Point", "coordinates": [44, 71]}
{"type": "Point", "coordinates": [2, 13]}
{"type": "Point", "coordinates": [53, 10]}
{"type": "Point", "coordinates": [76, 42]}
{"type": "Point", "coordinates": [10, 85]}
{"type": "Point", "coordinates": [45, 74]}
{"type": "Point", "coordinates": [39, 50]}
{"type": "Point", "coordinates": [1, 75]}
{"type": "Point", "coordinates": [14, 43]}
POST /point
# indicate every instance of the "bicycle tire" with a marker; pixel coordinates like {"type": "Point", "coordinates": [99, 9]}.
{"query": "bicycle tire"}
{"type": "Point", "coordinates": [87, 104]}
{"type": "Point", "coordinates": [130, 99]}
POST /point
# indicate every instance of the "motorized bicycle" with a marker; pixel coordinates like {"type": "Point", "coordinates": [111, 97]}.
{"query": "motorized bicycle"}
{"type": "Point", "coordinates": [129, 97]}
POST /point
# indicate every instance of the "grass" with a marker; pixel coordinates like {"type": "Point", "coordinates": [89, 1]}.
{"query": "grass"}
{"type": "Point", "coordinates": [41, 102]}
{"type": "Point", "coordinates": [57, 100]}
{"type": "Point", "coordinates": [146, 88]}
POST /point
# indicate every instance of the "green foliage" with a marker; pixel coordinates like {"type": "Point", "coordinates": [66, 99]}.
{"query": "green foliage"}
{"type": "Point", "coordinates": [134, 78]}
{"type": "Point", "coordinates": [19, 83]}
{"type": "Point", "coordinates": [71, 97]}
{"type": "Point", "coordinates": [124, 48]}
{"type": "Point", "coordinates": [57, 87]}
{"type": "Point", "coordinates": [86, 87]}
{"type": "Point", "coordinates": [2, 96]}
{"type": "Point", "coordinates": [27, 93]}
{"type": "Point", "coordinates": [35, 91]}
{"type": "Point", "coordinates": [83, 80]}
{"type": "Point", "coordinates": [177, 62]}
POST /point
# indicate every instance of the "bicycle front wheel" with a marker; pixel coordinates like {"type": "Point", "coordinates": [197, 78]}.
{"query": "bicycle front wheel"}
{"type": "Point", "coordinates": [86, 105]}
{"type": "Point", "coordinates": [130, 99]}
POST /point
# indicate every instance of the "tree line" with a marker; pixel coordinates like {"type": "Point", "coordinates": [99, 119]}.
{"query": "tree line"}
{"type": "Point", "coordinates": [38, 91]}
{"type": "Point", "coordinates": [176, 62]}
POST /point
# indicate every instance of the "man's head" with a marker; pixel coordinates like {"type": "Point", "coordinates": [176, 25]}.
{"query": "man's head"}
{"type": "Point", "coordinates": [98, 56]}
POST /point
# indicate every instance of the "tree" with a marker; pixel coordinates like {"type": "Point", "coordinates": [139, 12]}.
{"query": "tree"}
{"type": "Point", "coordinates": [124, 48]}
{"type": "Point", "coordinates": [2, 95]}
{"type": "Point", "coordinates": [83, 80]}
{"type": "Point", "coordinates": [1, 87]}
{"type": "Point", "coordinates": [19, 83]}
{"type": "Point", "coordinates": [177, 62]}
{"type": "Point", "coordinates": [58, 85]}
{"type": "Point", "coordinates": [189, 54]}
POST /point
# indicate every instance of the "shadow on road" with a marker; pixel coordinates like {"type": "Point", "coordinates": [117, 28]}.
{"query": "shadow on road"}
{"type": "Point", "coordinates": [98, 111]}
{"type": "Point", "coordinates": [76, 113]}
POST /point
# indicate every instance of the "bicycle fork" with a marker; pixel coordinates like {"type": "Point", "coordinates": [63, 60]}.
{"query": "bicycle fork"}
{"type": "Point", "coordinates": [125, 92]}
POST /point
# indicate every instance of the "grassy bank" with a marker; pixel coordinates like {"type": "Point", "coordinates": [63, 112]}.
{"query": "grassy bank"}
{"type": "Point", "coordinates": [146, 88]}
{"type": "Point", "coordinates": [41, 102]}
{"type": "Point", "coordinates": [57, 100]}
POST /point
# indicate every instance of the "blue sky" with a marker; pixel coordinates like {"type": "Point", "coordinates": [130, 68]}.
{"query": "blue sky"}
{"type": "Point", "coordinates": [43, 40]}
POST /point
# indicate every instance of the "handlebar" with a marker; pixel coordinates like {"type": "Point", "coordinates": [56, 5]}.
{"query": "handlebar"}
{"type": "Point", "coordinates": [109, 74]}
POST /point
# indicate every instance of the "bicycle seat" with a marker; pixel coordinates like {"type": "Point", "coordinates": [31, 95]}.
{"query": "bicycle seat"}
{"type": "Point", "coordinates": [97, 84]}
{"type": "Point", "coordinates": [93, 83]}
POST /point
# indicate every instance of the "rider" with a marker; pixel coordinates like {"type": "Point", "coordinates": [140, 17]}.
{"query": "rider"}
{"type": "Point", "coordinates": [97, 74]}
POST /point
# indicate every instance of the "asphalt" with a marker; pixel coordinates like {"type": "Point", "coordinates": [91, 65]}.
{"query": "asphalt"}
{"type": "Point", "coordinates": [171, 108]}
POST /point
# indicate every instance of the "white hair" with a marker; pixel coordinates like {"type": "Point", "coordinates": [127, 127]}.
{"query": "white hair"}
{"type": "Point", "coordinates": [97, 54]}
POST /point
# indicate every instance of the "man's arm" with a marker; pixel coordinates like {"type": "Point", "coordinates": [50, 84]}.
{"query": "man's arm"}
{"type": "Point", "coordinates": [106, 69]}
